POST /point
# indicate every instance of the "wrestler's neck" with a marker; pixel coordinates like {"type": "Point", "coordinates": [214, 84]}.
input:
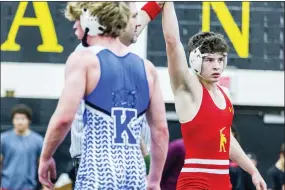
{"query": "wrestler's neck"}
{"type": "Point", "coordinates": [114, 44]}
{"type": "Point", "coordinates": [211, 86]}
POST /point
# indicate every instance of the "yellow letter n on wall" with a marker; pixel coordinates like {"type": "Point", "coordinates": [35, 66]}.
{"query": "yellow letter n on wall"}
{"type": "Point", "coordinates": [43, 20]}
{"type": "Point", "coordinates": [239, 38]}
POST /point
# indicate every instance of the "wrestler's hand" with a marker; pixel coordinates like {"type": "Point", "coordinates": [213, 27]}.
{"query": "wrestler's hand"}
{"type": "Point", "coordinates": [153, 186]}
{"type": "Point", "coordinates": [46, 172]}
{"type": "Point", "coordinates": [258, 181]}
{"type": "Point", "coordinates": [160, 3]}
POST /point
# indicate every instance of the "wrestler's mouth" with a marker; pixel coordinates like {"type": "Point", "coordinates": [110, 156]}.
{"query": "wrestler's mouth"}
{"type": "Point", "coordinates": [137, 26]}
{"type": "Point", "coordinates": [216, 75]}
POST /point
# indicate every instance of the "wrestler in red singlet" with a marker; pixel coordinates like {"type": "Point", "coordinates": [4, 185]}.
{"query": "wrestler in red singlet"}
{"type": "Point", "coordinates": [203, 108]}
{"type": "Point", "coordinates": [207, 139]}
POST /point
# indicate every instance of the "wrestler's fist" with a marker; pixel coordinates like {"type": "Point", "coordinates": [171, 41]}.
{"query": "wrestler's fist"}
{"type": "Point", "coordinates": [46, 172]}
{"type": "Point", "coordinates": [160, 3]}
{"type": "Point", "coordinates": [258, 181]}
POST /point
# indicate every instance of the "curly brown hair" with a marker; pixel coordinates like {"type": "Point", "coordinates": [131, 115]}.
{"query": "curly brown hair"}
{"type": "Point", "coordinates": [113, 15]}
{"type": "Point", "coordinates": [208, 42]}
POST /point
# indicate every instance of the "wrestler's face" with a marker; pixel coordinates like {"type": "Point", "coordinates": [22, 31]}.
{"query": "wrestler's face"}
{"type": "Point", "coordinates": [78, 30]}
{"type": "Point", "coordinates": [129, 35]}
{"type": "Point", "coordinates": [212, 67]}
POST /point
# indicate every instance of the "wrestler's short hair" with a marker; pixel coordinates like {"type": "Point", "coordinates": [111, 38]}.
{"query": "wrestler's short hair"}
{"type": "Point", "coordinates": [113, 15]}
{"type": "Point", "coordinates": [208, 42]}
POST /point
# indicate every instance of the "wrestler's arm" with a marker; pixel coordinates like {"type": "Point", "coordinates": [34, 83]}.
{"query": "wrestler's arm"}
{"type": "Point", "coordinates": [144, 17]}
{"type": "Point", "coordinates": [238, 155]}
{"type": "Point", "coordinates": [73, 92]}
{"type": "Point", "coordinates": [156, 118]}
{"type": "Point", "coordinates": [180, 77]}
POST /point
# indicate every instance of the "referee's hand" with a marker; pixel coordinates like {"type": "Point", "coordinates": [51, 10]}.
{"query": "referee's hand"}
{"type": "Point", "coordinates": [47, 172]}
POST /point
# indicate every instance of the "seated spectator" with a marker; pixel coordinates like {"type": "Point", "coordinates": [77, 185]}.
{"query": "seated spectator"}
{"type": "Point", "coordinates": [173, 165]}
{"type": "Point", "coordinates": [235, 170]}
{"type": "Point", "coordinates": [276, 173]}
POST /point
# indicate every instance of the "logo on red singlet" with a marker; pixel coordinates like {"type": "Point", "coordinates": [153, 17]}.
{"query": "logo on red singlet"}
{"type": "Point", "coordinates": [231, 109]}
{"type": "Point", "coordinates": [223, 140]}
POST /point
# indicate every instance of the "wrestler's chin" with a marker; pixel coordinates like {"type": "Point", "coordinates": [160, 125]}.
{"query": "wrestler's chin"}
{"type": "Point", "coordinates": [134, 39]}
{"type": "Point", "coordinates": [215, 79]}
{"type": "Point", "coordinates": [79, 34]}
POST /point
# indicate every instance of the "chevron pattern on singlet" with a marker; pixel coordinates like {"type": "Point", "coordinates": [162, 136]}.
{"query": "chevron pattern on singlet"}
{"type": "Point", "coordinates": [108, 165]}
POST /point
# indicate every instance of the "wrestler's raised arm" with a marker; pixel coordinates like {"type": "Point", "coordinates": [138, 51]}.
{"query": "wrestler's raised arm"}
{"type": "Point", "coordinates": [142, 17]}
{"type": "Point", "coordinates": [180, 76]}
{"type": "Point", "coordinates": [148, 13]}
{"type": "Point", "coordinates": [185, 84]}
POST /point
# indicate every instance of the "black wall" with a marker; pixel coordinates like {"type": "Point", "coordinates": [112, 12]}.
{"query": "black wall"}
{"type": "Point", "coordinates": [266, 33]}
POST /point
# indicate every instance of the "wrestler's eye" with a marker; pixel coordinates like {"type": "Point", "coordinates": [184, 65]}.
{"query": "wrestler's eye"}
{"type": "Point", "coordinates": [209, 59]}
{"type": "Point", "coordinates": [135, 15]}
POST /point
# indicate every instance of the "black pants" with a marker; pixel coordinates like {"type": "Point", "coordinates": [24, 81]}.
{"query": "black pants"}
{"type": "Point", "coordinates": [73, 172]}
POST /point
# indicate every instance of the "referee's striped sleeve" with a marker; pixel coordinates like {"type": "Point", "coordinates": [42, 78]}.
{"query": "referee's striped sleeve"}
{"type": "Point", "coordinates": [77, 131]}
{"type": "Point", "coordinates": [145, 134]}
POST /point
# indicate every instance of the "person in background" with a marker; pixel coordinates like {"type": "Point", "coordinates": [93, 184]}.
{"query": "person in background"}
{"type": "Point", "coordinates": [235, 170]}
{"type": "Point", "coordinates": [20, 152]}
{"type": "Point", "coordinates": [276, 172]}
{"type": "Point", "coordinates": [173, 165]}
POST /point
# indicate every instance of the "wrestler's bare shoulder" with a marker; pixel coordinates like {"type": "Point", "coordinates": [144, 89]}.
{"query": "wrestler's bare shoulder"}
{"type": "Point", "coordinates": [227, 92]}
{"type": "Point", "coordinates": [85, 57]}
{"type": "Point", "coordinates": [151, 74]}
